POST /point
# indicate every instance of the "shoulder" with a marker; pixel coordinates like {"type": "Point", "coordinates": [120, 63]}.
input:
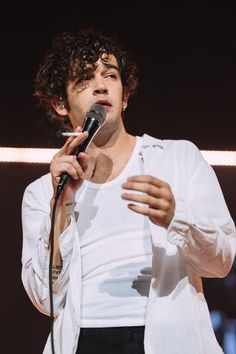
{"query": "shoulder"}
{"type": "Point", "coordinates": [181, 156]}
{"type": "Point", "coordinates": [170, 145]}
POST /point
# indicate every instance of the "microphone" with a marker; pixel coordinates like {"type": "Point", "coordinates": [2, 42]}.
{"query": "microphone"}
{"type": "Point", "coordinates": [94, 120]}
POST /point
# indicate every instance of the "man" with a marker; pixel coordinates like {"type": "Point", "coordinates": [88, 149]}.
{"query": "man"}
{"type": "Point", "coordinates": [138, 224]}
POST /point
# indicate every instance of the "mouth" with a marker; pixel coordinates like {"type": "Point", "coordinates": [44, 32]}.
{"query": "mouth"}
{"type": "Point", "coordinates": [105, 103]}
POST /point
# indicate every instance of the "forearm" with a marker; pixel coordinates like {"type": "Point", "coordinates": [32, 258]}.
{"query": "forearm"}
{"type": "Point", "coordinates": [62, 220]}
{"type": "Point", "coordinates": [35, 267]}
{"type": "Point", "coordinates": [207, 245]}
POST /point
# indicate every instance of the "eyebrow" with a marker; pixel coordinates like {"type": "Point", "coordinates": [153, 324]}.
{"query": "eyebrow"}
{"type": "Point", "coordinates": [111, 66]}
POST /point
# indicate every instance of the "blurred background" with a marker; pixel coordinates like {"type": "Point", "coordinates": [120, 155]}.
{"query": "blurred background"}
{"type": "Point", "coordinates": [186, 59]}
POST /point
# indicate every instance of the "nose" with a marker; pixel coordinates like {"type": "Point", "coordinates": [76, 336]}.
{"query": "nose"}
{"type": "Point", "coordinates": [100, 86]}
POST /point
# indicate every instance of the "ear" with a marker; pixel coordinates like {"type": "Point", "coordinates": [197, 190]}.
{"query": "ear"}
{"type": "Point", "coordinates": [125, 100]}
{"type": "Point", "coordinates": [59, 107]}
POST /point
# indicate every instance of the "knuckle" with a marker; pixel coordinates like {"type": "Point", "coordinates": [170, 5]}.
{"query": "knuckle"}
{"type": "Point", "coordinates": [166, 185]}
{"type": "Point", "coordinates": [71, 169]}
{"type": "Point", "coordinates": [71, 158]}
{"type": "Point", "coordinates": [152, 179]}
{"type": "Point", "coordinates": [149, 178]}
{"type": "Point", "coordinates": [148, 189]}
{"type": "Point", "coordinates": [149, 199]}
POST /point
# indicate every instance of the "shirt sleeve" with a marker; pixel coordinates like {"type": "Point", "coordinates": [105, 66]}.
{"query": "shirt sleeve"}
{"type": "Point", "coordinates": [202, 227]}
{"type": "Point", "coordinates": [36, 226]}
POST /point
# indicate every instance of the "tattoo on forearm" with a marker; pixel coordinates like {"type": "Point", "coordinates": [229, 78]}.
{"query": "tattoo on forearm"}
{"type": "Point", "coordinates": [68, 215]}
{"type": "Point", "coordinates": [69, 203]}
{"type": "Point", "coordinates": [56, 270]}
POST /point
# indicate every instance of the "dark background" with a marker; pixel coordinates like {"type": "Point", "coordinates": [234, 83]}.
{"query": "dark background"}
{"type": "Point", "coordinates": [186, 59]}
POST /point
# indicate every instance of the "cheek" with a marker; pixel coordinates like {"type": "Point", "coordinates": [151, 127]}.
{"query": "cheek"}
{"type": "Point", "coordinates": [78, 104]}
{"type": "Point", "coordinates": [118, 94]}
{"type": "Point", "coordinates": [76, 115]}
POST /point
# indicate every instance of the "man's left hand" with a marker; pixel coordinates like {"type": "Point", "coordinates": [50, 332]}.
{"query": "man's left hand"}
{"type": "Point", "coordinates": [155, 194]}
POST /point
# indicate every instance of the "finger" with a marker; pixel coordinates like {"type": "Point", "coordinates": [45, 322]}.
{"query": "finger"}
{"type": "Point", "coordinates": [80, 165]}
{"type": "Point", "coordinates": [158, 217]}
{"type": "Point", "coordinates": [83, 160]}
{"type": "Point", "coordinates": [77, 166]}
{"type": "Point", "coordinates": [74, 142]}
{"type": "Point", "coordinates": [66, 167]}
{"type": "Point", "coordinates": [78, 129]}
{"type": "Point", "coordinates": [70, 139]}
{"type": "Point", "coordinates": [71, 144]}
{"type": "Point", "coordinates": [144, 210]}
{"type": "Point", "coordinates": [154, 203]}
{"type": "Point", "coordinates": [143, 188]}
{"type": "Point", "coordinates": [148, 179]}
{"type": "Point", "coordinates": [68, 164]}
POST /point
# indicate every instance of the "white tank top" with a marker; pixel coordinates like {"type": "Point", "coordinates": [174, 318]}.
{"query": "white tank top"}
{"type": "Point", "coordinates": [116, 253]}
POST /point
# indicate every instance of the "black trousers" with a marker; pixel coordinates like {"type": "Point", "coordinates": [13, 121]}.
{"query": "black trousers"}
{"type": "Point", "coordinates": [112, 340]}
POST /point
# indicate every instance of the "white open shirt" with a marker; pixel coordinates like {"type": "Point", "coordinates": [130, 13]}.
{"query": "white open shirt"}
{"type": "Point", "coordinates": [199, 242]}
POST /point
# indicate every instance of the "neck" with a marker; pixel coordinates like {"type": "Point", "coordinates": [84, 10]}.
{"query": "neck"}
{"type": "Point", "coordinates": [109, 155]}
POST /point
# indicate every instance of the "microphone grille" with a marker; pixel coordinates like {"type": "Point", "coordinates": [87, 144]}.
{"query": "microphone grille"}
{"type": "Point", "coordinates": [98, 112]}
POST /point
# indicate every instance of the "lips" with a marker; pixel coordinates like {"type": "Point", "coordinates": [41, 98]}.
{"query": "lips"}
{"type": "Point", "coordinates": [105, 103]}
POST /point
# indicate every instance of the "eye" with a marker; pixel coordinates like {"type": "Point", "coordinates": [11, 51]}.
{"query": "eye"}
{"type": "Point", "coordinates": [111, 75]}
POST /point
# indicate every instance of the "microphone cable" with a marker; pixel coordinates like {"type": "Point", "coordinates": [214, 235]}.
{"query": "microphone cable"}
{"type": "Point", "coordinates": [50, 277]}
{"type": "Point", "coordinates": [51, 244]}
{"type": "Point", "coordinates": [94, 120]}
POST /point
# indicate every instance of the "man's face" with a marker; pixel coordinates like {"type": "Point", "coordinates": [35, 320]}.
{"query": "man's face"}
{"type": "Point", "coordinates": [103, 87]}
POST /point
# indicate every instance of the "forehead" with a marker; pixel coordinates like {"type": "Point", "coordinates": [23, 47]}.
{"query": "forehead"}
{"type": "Point", "coordinates": [104, 62]}
{"type": "Point", "coordinates": [107, 60]}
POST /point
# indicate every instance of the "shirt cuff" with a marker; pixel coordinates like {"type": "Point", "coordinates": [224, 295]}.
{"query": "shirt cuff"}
{"type": "Point", "coordinates": [178, 230]}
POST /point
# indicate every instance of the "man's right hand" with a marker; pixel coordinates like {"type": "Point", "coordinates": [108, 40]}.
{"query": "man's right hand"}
{"type": "Point", "coordinates": [64, 161]}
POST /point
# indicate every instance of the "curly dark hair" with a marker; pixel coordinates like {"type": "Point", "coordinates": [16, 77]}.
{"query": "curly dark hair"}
{"type": "Point", "coordinates": [73, 57]}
